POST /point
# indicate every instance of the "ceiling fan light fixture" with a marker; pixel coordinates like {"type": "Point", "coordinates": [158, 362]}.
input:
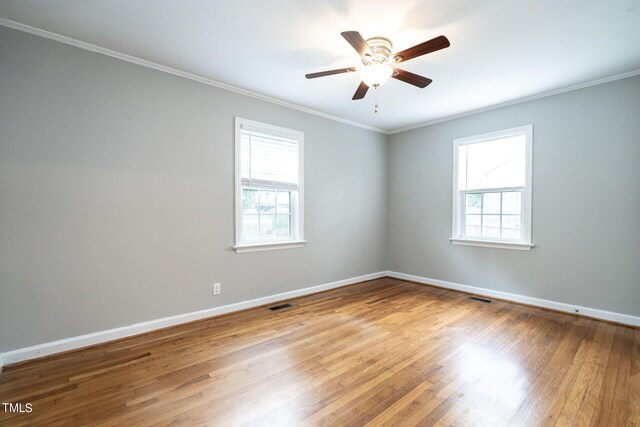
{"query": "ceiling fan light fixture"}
{"type": "Point", "coordinates": [378, 59]}
{"type": "Point", "coordinates": [375, 74]}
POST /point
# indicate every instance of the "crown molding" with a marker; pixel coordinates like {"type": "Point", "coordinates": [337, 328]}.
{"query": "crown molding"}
{"type": "Point", "coordinates": [210, 82]}
{"type": "Point", "coordinates": [170, 70]}
{"type": "Point", "coordinates": [517, 101]}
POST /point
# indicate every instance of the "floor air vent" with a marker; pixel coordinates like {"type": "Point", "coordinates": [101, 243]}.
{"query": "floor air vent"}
{"type": "Point", "coordinates": [488, 301]}
{"type": "Point", "coordinates": [280, 307]}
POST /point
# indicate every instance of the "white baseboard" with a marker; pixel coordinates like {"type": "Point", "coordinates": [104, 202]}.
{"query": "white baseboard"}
{"type": "Point", "coordinates": [73, 343]}
{"type": "Point", "coordinates": [625, 319]}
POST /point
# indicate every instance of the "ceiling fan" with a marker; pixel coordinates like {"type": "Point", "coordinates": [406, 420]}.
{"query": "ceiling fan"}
{"type": "Point", "coordinates": [378, 59]}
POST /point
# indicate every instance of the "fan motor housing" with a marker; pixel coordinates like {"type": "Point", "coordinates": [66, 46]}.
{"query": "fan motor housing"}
{"type": "Point", "coordinates": [381, 48]}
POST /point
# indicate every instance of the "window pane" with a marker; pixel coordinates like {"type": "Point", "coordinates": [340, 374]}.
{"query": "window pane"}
{"type": "Point", "coordinates": [283, 228]}
{"type": "Point", "coordinates": [490, 225]}
{"type": "Point", "coordinates": [511, 202]}
{"type": "Point", "coordinates": [249, 201]}
{"type": "Point", "coordinates": [268, 158]}
{"type": "Point", "coordinates": [495, 164]}
{"type": "Point", "coordinates": [511, 225]}
{"type": "Point", "coordinates": [284, 202]}
{"type": "Point", "coordinates": [267, 202]}
{"type": "Point", "coordinates": [491, 203]}
{"type": "Point", "coordinates": [474, 203]}
{"type": "Point", "coordinates": [250, 227]}
{"type": "Point", "coordinates": [270, 183]}
{"type": "Point", "coordinates": [267, 225]}
{"type": "Point", "coordinates": [472, 226]}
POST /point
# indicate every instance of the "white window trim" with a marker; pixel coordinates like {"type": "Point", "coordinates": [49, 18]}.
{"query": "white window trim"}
{"type": "Point", "coordinates": [269, 246]}
{"type": "Point", "coordinates": [298, 240]}
{"type": "Point", "coordinates": [456, 224]}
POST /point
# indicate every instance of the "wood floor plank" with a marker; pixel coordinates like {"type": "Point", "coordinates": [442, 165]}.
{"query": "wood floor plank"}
{"type": "Point", "coordinates": [385, 352]}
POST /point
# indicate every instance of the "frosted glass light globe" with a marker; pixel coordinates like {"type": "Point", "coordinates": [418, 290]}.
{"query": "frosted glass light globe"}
{"type": "Point", "coordinates": [375, 74]}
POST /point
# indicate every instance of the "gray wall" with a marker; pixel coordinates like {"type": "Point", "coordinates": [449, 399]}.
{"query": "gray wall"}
{"type": "Point", "coordinates": [586, 201]}
{"type": "Point", "coordinates": [116, 195]}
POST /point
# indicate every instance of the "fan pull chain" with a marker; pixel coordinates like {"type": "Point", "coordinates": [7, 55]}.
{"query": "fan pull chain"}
{"type": "Point", "coordinates": [375, 94]}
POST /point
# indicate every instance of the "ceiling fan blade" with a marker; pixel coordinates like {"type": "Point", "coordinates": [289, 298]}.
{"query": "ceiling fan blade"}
{"type": "Point", "coordinates": [412, 79]}
{"type": "Point", "coordinates": [359, 44]}
{"type": "Point", "coordinates": [361, 91]}
{"type": "Point", "coordinates": [330, 72]}
{"type": "Point", "coordinates": [429, 46]}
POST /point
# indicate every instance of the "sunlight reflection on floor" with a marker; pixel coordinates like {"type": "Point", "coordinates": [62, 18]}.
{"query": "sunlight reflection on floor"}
{"type": "Point", "coordinates": [494, 379]}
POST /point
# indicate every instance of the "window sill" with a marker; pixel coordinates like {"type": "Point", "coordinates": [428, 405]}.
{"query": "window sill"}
{"type": "Point", "coordinates": [493, 244]}
{"type": "Point", "coordinates": [271, 246]}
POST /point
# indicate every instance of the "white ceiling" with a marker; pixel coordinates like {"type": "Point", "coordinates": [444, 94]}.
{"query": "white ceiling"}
{"type": "Point", "coordinates": [501, 50]}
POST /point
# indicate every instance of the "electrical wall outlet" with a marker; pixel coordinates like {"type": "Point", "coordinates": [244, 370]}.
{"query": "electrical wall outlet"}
{"type": "Point", "coordinates": [216, 288]}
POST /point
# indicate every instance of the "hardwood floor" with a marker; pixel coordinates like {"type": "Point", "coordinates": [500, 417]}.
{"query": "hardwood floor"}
{"type": "Point", "coordinates": [384, 352]}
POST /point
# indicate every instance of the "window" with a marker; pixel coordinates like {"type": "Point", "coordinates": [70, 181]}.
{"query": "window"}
{"type": "Point", "coordinates": [492, 189]}
{"type": "Point", "coordinates": [269, 196]}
